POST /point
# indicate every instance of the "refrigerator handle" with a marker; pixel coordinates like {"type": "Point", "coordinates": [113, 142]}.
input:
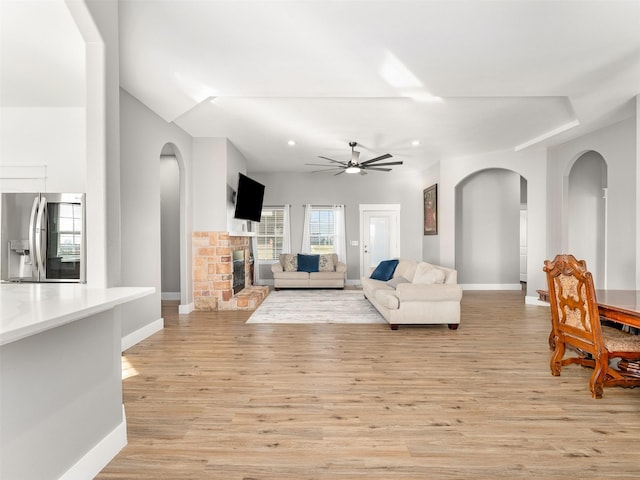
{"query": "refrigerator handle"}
{"type": "Point", "coordinates": [40, 230]}
{"type": "Point", "coordinates": [32, 235]}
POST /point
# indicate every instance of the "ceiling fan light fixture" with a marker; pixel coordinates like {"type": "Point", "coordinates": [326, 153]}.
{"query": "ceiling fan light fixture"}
{"type": "Point", "coordinates": [352, 169]}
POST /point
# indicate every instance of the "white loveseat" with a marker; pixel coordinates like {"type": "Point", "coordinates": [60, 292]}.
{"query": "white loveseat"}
{"type": "Point", "coordinates": [418, 293]}
{"type": "Point", "coordinates": [331, 274]}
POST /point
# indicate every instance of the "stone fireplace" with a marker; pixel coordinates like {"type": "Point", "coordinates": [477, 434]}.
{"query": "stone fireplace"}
{"type": "Point", "coordinates": [222, 273]}
{"type": "Point", "coordinates": [239, 270]}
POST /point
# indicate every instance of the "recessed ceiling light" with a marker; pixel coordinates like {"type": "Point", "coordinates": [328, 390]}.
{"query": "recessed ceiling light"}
{"type": "Point", "coordinates": [291, 143]}
{"type": "Point", "coordinates": [415, 143]}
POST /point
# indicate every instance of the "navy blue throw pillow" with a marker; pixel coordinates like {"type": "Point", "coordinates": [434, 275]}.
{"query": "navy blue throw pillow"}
{"type": "Point", "coordinates": [384, 270]}
{"type": "Point", "coordinates": [308, 263]}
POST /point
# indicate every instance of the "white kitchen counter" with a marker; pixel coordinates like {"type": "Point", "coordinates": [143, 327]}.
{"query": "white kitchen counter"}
{"type": "Point", "coordinates": [61, 371]}
{"type": "Point", "coordinates": [30, 308]}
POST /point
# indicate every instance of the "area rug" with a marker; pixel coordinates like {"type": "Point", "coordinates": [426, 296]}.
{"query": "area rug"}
{"type": "Point", "coordinates": [316, 306]}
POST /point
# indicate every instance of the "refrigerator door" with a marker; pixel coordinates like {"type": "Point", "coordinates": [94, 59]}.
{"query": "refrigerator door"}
{"type": "Point", "coordinates": [17, 242]}
{"type": "Point", "coordinates": [42, 237]}
{"type": "Point", "coordinates": [61, 230]}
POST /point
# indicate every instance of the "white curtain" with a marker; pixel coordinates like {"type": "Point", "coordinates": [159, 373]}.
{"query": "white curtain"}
{"type": "Point", "coordinates": [286, 234]}
{"type": "Point", "coordinates": [339, 236]}
{"type": "Point", "coordinates": [306, 241]}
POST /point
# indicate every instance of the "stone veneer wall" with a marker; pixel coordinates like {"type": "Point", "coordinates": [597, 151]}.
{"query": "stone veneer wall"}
{"type": "Point", "coordinates": [213, 271]}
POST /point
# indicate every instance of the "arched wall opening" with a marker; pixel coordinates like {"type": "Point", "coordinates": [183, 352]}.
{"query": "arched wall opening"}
{"type": "Point", "coordinates": [172, 225]}
{"type": "Point", "coordinates": [586, 213]}
{"type": "Point", "coordinates": [488, 241]}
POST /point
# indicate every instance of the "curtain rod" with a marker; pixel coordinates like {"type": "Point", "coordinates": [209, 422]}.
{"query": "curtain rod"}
{"type": "Point", "coordinates": [322, 206]}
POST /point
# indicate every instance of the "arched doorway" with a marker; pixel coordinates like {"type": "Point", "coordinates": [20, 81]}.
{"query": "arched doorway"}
{"type": "Point", "coordinates": [170, 223]}
{"type": "Point", "coordinates": [587, 214]}
{"type": "Point", "coordinates": [489, 212]}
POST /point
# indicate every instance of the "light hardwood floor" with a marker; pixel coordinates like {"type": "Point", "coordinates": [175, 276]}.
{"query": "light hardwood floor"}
{"type": "Point", "coordinates": [215, 398]}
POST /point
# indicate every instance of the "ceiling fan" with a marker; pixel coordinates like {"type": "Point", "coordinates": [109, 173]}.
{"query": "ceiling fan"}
{"type": "Point", "coordinates": [354, 165]}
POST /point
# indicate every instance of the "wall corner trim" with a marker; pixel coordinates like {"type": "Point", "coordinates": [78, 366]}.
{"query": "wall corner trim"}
{"type": "Point", "coordinates": [142, 333]}
{"type": "Point", "coordinates": [100, 455]}
{"type": "Point", "coordinates": [185, 309]}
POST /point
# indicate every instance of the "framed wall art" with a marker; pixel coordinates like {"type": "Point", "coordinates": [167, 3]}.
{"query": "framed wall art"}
{"type": "Point", "coordinates": [430, 197]}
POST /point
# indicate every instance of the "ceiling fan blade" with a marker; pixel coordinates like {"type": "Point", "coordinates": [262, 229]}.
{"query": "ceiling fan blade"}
{"type": "Point", "coordinates": [378, 169]}
{"type": "Point", "coordinates": [362, 172]}
{"type": "Point", "coordinates": [377, 159]}
{"type": "Point", "coordinates": [322, 165]}
{"type": "Point", "coordinates": [339, 173]}
{"type": "Point", "coordinates": [332, 160]}
{"type": "Point", "coordinates": [328, 170]}
{"type": "Point", "coordinates": [386, 164]}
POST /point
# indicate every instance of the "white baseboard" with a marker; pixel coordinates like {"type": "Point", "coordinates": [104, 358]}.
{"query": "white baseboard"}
{"type": "Point", "coordinates": [491, 286]}
{"type": "Point", "coordinates": [99, 456]}
{"type": "Point", "coordinates": [142, 333]}
{"type": "Point", "coordinates": [170, 295]}
{"type": "Point", "coordinates": [185, 309]}
{"type": "Point", "coordinates": [533, 300]}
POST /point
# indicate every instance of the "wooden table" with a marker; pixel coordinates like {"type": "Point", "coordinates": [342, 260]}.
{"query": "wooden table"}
{"type": "Point", "coordinates": [620, 305]}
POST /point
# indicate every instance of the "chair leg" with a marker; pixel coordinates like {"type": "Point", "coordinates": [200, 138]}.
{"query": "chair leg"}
{"type": "Point", "coordinates": [596, 383]}
{"type": "Point", "coordinates": [556, 358]}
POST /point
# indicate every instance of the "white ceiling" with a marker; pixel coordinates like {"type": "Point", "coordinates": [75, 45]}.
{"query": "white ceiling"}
{"type": "Point", "coordinates": [462, 77]}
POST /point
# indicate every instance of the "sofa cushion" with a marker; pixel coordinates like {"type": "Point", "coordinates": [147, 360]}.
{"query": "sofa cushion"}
{"type": "Point", "coordinates": [388, 299]}
{"type": "Point", "coordinates": [395, 281]}
{"type": "Point", "coordinates": [326, 263]}
{"type": "Point", "coordinates": [384, 270]}
{"type": "Point", "coordinates": [427, 274]}
{"type": "Point", "coordinates": [308, 263]}
{"type": "Point", "coordinates": [290, 262]}
{"type": "Point", "coordinates": [406, 268]}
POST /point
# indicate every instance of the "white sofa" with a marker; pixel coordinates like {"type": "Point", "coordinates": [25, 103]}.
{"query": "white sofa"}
{"type": "Point", "coordinates": [332, 273]}
{"type": "Point", "coordinates": [418, 293]}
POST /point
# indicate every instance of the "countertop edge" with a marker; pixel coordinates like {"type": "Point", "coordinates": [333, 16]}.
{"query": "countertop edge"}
{"type": "Point", "coordinates": [122, 295]}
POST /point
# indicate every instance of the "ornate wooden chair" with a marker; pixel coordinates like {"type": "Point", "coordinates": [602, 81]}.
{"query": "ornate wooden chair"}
{"type": "Point", "coordinates": [576, 324]}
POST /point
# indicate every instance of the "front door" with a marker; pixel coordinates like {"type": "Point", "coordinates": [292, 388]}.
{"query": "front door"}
{"type": "Point", "coordinates": [379, 234]}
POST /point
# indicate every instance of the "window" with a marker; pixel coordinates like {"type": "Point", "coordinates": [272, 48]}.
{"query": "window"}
{"type": "Point", "coordinates": [324, 230]}
{"type": "Point", "coordinates": [270, 234]}
{"type": "Point", "coordinates": [69, 230]}
{"type": "Point", "coordinates": [321, 230]}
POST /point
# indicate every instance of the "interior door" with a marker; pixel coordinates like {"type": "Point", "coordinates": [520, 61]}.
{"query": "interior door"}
{"type": "Point", "coordinates": [379, 234]}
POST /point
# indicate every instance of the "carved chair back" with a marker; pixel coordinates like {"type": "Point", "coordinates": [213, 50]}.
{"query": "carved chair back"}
{"type": "Point", "coordinates": [574, 308]}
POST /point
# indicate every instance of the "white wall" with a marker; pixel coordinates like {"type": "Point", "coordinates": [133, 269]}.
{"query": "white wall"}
{"type": "Point", "coordinates": [209, 184]}
{"type": "Point", "coordinates": [617, 145]}
{"type": "Point", "coordinates": [395, 187]}
{"type": "Point", "coordinates": [143, 135]}
{"type": "Point", "coordinates": [60, 146]}
{"type": "Point", "coordinates": [488, 228]}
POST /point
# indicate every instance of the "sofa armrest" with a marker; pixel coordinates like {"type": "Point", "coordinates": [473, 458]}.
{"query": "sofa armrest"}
{"type": "Point", "coordinates": [276, 267]}
{"type": "Point", "coordinates": [341, 267]}
{"type": "Point", "coordinates": [408, 292]}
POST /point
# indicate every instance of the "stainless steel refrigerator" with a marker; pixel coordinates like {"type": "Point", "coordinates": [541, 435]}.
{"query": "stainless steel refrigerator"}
{"type": "Point", "coordinates": [42, 237]}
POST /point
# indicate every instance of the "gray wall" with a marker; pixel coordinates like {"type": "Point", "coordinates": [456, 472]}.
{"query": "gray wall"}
{"type": "Point", "coordinates": [143, 136]}
{"type": "Point", "coordinates": [617, 145]}
{"type": "Point", "coordinates": [586, 220]}
{"type": "Point", "coordinates": [431, 243]}
{"type": "Point", "coordinates": [76, 368]}
{"type": "Point", "coordinates": [488, 228]}
{"type": "Point", "coordinates": [170, 223]}
{"type": "Point", "coordinates": [396, 187]}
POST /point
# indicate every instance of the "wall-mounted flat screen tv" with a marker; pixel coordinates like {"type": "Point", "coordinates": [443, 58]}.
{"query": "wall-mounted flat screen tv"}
{"type": "Point", "coordinates": [249, 196]}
